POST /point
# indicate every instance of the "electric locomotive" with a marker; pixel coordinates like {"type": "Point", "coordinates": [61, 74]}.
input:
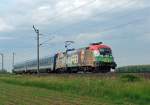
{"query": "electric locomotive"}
{"type": "Point", "coordinates": [97, 57]}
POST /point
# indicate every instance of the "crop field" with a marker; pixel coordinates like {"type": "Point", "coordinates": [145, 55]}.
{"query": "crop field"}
{"type": "Point", "coordinates": [75, 89]}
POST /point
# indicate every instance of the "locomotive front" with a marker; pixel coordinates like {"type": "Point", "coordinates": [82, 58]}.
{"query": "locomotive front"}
{"type": "Point", "coordinates": [104, 59]}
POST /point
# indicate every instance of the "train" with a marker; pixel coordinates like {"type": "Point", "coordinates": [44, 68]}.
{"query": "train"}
{"type": "Point", "coordinates": [96, 57]}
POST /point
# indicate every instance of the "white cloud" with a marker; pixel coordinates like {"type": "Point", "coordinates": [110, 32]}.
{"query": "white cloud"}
{"type": "Point", "coordinates": [80, 38]}
{"type": "Point", "coordinates": [45, 11]}
{"type": "Point", "coordinates": [44, 8]}
{"type": "Point", "coordinates": [4, 26]}
{"type": "Point", "coordinates": [86, 37]}
{"type": "Point", "coordinates": [76, 10]}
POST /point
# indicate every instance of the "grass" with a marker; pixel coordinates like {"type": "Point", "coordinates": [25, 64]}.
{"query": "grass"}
{"type": "Point", "coordinates": [67, 89]}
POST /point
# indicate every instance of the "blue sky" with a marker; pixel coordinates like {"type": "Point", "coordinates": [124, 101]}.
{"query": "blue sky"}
{"type": "Point", "coordinates": [122, 24]}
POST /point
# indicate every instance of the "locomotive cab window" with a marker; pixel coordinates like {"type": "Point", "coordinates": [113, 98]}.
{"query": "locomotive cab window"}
{"type": "Point", "coordinates": [105, 51]}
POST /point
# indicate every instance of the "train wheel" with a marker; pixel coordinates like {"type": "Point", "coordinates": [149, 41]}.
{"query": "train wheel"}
{"type": "Point", "coordinates": [95, 70]}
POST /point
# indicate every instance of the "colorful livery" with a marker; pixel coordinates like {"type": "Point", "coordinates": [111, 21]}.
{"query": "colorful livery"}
{"type": "Point", "coordinates": [97, 57]}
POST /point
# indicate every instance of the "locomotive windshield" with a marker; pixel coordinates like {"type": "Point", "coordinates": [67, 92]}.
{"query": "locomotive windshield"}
{"type": "Point", "coordinates": [105, 51]}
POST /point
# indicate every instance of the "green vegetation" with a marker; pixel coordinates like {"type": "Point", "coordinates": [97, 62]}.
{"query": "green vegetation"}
{"type": "Point", "coordinates": [79, 89]}
{"type": "Point", "coordinates": [3, 72]}
{"type": "Point", "coordinates": [130, 78]}
{"type": "Point", "coordinates": [134, 69]}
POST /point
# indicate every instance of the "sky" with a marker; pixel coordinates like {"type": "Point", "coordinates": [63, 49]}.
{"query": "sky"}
{"type": "Point", "coordinates": [124, 25]}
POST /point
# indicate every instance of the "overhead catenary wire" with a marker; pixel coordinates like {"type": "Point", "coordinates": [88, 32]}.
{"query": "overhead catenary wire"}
{"type": "Point", "coordinates": [122, 25]}
{"type": "Point", "coordinates": [68, 11]}
{"type": "Point", "coordinates": [46, 42]}
{"type": "Point", "coordinates": [102, 13]}
{"type": "Point", "coordinates": [87, 4]}
{"type": "Point", "coordinates": [71, 10]}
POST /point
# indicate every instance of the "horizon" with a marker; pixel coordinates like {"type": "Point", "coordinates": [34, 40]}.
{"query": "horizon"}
{"type": "Point", "coordinates": [123, 25]}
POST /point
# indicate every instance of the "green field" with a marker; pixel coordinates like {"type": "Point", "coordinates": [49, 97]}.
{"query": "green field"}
{"type": "Point", "coordinates": [74, 89]}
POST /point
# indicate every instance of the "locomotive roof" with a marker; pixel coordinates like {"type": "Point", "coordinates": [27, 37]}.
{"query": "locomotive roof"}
{"type": "Point", "coordinates": [94, 47]}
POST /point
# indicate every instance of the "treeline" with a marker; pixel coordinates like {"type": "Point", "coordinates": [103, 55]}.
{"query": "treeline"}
{"type": "Point", "coordinates": [134, 69]}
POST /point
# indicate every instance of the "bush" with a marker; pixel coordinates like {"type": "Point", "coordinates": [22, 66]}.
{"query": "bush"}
{"type": "Point", "coordinates": [130, 78]}
{"type": "Point", "coordinates": [134, 69]}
